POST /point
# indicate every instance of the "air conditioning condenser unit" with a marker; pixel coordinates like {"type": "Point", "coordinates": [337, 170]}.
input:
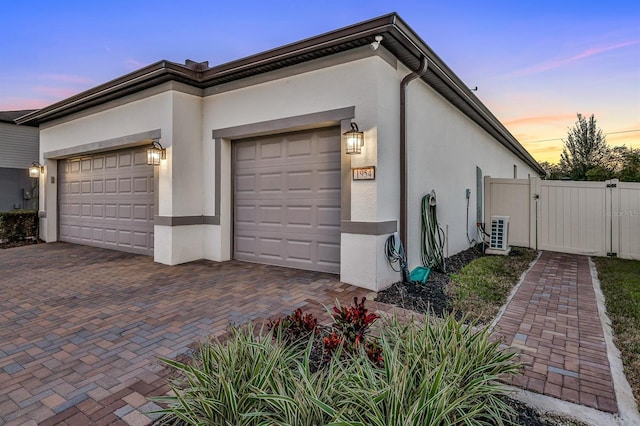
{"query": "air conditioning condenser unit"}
{"type": "Point", "coordinates": [499, 239]}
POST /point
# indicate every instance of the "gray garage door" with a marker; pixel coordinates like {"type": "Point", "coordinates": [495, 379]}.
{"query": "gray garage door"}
{"type": "Point", "coordinates": [106, 200]}
{"type": "Point", "coordinates": [287, 200]}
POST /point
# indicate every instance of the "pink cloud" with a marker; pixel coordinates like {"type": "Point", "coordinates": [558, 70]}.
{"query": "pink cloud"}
{"type": "Point", "coordinates": [56, 92]}
{"type": "Point", "coordinates": [16, 104]}
{"type": "Point", "coordinates": [549, 65]}
{"type": "Point", "coordinates": [68, 78]}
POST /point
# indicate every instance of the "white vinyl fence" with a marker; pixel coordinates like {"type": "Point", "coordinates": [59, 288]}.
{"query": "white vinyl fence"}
{"type": "Point", "coordinates": [592, 218]}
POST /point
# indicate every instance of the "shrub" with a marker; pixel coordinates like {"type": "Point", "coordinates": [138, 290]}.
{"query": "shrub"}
{"type": "Point", "coordinates": [296, 326]}
{"type": "Point", "coordinates": [353, 323]}
{"type": "Point", "coordinates": [436, 373]}
{"type": "Point", "coordinates": [350, 331]}
{"type": "Point", "coordinates": [18, 225]}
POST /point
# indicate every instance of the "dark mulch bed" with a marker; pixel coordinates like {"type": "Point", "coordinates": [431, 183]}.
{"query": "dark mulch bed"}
{"type": "Point", "coordinates": [12, 244]}
{"type": "Point", "coordinates": [430, 297]}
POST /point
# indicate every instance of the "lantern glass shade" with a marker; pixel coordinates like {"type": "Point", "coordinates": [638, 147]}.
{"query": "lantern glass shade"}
{"type": "Point", "coordinates": [354, 140]}
{"type": "Point", "coordinates": [34, 171]}
{"type": "Point", "coordinates": [155, 153]}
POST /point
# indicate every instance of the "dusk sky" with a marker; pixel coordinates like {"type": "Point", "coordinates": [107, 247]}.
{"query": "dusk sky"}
{"type": "Point", "coordinates": [536, 64]}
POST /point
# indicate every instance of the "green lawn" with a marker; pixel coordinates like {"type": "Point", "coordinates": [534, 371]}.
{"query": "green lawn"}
{"type": "Point", "coordinates": [482, 287]}
{"type": "Point", "coordinates": [620, 280]}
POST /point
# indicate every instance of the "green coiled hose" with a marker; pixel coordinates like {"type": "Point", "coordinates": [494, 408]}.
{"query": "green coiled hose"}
{"type": "Point", "coordinates": [432, 235]}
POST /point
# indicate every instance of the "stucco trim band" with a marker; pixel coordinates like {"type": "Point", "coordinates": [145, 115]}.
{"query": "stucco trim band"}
{"type": "Point", "coordinates": [186, 220]}
{"type": "Point", "coordinates": [368, 228]}
{"type": "Point", "coordinates": [105, 145]}
{"type": "Point", "coordinates": [298, 122]}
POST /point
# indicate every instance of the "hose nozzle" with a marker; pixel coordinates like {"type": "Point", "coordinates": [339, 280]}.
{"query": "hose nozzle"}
{"type": "Point", "coordinates": [432, 198]}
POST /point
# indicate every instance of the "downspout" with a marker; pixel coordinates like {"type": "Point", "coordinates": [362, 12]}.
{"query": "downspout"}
{"type": "Point", "coordinates": [403, 145]}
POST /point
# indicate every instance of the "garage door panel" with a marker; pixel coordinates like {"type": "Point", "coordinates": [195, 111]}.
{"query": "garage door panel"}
{"type": "Point", "coordinates": [97, 187]}
{"type": "Point", "coordinates": [329, 180]}
{"type": "Point", "coordinates": [329, 253]}
{"type": "Point", "coordinates": [299, 147]}
{"type": "Point", "coordinates": [74, 187]}
{"type": "Point", "coordinates": [98, 234]}
{"type": "Point", "coordinates": [97, 211]}
{"type": "Point", "coordinates": [140, 159]}
{"type": "Point", "coordinates": [270, 215]}
{"type": "Point", "coordinates": [300, 181]}
{"type": "Point", "coordinates": [111, 236]}
{"type": "Point", "coordinates": [269, 181]}
{"type": "Point", "coordinates": [110, 186]}
{"type": "Point", "coordinates": [111, 161]}
{"type": "Point", "coordinates": [270, 149]}
{"type": "Point", "coordinates": [299, 216]}
{"type": "Point", "coordinates": [124, 185]}
{"type": "Point", "coordinates": [246, 183]}
{"type": "Point", "coordinates": [244, 154]}
{"type": "Point", "coordinates": [140, 239]}
{"type": "Point", "coordinates": [287, 200]}
{"type": "Point", "coordinates": [125, 159]}
{"type": "Point", "coordinates": [245, 246]}
{"type": "Point", "coordinates": [106, 200]}
{"type": "Point", "coordinates": [299, 249]}
{"type": "Point", "coordinates": [140, 184]}
{"type": "Point", "coordinates": [329, 218]}
{"type": "Point", "coordinates": [98, 163]}
{"type": "Point", "coordinates": [85, 187]}
{"type": "Point", "coordinates": [141, 212]}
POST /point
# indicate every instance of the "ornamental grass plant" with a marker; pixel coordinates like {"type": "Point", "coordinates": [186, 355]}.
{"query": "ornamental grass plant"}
{"type": "Point", "coordinates": [440, 372]}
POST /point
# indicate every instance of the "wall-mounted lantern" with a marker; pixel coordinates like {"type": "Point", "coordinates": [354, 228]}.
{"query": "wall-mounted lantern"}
{"type": "Point", "coordinates": [354, 140]}
{"type": "Point", "coordinates": [35, 170]}
{"type": "Point", "coordinates": [155, 153]}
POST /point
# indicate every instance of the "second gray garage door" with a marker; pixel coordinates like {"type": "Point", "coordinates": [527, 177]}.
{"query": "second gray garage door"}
{"type": "Point", "coordinates": [287, 200]}
{"type": "Point", "coordinates": [106, 200]}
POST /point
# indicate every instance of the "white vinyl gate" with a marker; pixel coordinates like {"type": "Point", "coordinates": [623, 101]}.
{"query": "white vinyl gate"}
{"type": "Point", "coordinates": [591, 218]}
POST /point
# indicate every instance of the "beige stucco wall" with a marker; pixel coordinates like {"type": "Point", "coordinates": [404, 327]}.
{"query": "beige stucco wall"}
{"type": "Point", "coordinates": [444, 148]}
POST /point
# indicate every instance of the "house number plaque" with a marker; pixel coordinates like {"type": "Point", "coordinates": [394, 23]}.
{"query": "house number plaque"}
{"type": "Point", "coordinates": [364, 173]}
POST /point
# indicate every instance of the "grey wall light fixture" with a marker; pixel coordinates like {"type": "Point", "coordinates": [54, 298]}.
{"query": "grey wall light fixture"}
{"type": "Point", "coordinates": [354, 140]}
{"type": "Point", "coordinates": [35, 170]}
{"type": "Point", "coordinates": [155, 153]}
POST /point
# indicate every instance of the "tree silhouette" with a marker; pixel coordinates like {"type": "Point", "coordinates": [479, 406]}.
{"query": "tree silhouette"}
{"type": "Point", "coordinates": [584, 149]}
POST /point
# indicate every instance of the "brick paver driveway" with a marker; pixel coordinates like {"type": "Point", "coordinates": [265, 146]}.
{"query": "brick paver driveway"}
{"type": "Point", "coordinates": [81, 328]}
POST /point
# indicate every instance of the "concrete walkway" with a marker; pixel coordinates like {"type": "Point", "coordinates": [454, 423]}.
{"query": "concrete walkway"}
{"type": "Point", "coordinates": [81, 328]}
{"type": "Point", "coordinates": [553, 320]}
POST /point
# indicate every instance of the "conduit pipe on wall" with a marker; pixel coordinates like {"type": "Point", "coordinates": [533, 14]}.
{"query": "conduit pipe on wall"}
{"type": "Point", "coordinates": [422, 69]}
